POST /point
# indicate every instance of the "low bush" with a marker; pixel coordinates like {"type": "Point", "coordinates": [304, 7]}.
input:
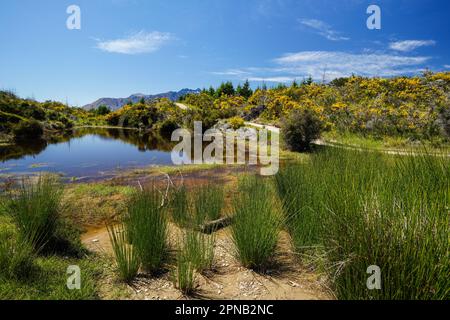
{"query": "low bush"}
{"type": "Point", "coordinates": [236, 122]}
{"type": "Point", "coordinates": [31, 129]}
{"type": "Point", "coordinates": [299, 129]}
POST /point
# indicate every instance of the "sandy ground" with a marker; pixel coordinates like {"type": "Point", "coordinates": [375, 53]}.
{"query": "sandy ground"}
{"type": "Point", "coordinates": [228, 280]}
{"type": "Point", "coordinates": [288, 280]}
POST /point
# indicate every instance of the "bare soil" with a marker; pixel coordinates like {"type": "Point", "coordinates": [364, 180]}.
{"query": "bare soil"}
{"type": "Point", "coordinates": [288, 279]}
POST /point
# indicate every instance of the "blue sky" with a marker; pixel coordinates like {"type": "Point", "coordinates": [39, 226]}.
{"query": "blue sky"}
{"type": "Point", "coordinates": [142, 46]}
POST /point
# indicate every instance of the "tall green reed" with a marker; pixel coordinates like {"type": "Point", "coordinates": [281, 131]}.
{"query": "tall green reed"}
{"type": "Point", "coordinates": [256, 224]}
{"type": "Point", "coordinates": [366, 208]}
{"type": "Point", "coordinates": [127, 260]}
{"type": "Point", "coordinates": [146, 225]}
{"type": "Point", "coordinates": [36, 210]}
{"type": "Point", "coordinates": [180, 206]}
{"type": "Point", "coordinates": [208, 202]}
{"type": "Point", "coordinates": [198, 248]}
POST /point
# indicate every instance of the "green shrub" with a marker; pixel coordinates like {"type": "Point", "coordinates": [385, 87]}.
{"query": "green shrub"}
{"type": "Point", "coordinates": [236, 122]}
{"type": "Point", "coordinates": [127, 261]}
{"type": "Point", "coordinates": [299, 129]}
{"type": "Point", "coordinates": [167, 127]}
{"type": "Point", "coordinates": [31, 129]}
{"type": "Point", "coordinates": [147, 228]}
{"type": "Point", "coordinates": [256, 225]}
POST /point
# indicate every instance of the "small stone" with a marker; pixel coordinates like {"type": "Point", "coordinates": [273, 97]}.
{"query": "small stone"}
{"type": "Point", "coordinates": [95, 240]}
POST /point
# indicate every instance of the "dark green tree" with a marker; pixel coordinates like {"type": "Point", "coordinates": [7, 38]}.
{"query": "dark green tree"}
{"type": "Point", "coordinates": [102, 110]}
{"type": "Point", "coordinates": [226, 88]}
{"type": "Point", "coordinates": [245, 91]}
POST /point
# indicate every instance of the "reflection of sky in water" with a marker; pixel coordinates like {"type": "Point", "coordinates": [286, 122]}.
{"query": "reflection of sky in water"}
{"type": "Point", "coordinates": [86, 156]}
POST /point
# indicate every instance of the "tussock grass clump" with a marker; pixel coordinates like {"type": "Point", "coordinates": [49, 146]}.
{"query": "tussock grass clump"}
{"type": "Point", "coordinates": [180, 206]}
{"type": "Point", "coordinates": [16, 257]}
{"type": "Point", "coordinates": [127, 260]}
{"type": "Point", "coordinates": [198, 248]}
{"type": "Point", "coordinates": [366, 208]}
{"type": "Point", "coordinates": [184, 275]}
{"type": "Point", "coordinates": [256, 224]}
{"type": "Point", "coordinates": [208, 201]}
{"type": "Point", "coordinates": [195, 254]}
{"type": "Point", "coordinates": [147, 228]}
{"type": "Point", "coordinates": [192, 209]}
{"type": "Point", "coordinates": [36, 208]}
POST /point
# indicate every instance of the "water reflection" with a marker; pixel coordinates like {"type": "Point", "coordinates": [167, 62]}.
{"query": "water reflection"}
{"type": "Point", "coordinates": [86, 152]}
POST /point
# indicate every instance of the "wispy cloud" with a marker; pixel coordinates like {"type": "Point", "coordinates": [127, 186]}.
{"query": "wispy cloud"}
{"type": "Point", "coordinates": [138, 43]}
{"type": "Point", "coordinates": [323, 29]}
{"type": "Point", "coordinates": [339, 64]}
{"type": "Point", "coordinates": [329, 65]}
{"type": "Point", "coordinates": [272, 79]}
{"type": "Point", "coordinates": [231, 72]}
{"type": "Point", "coordinates": [410, 45]}
{"type": "Point", "coordinates": [447, 66]}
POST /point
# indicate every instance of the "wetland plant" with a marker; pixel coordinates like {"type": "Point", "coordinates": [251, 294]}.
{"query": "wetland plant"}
{"type": "Point", "coordinates": [256, 224]}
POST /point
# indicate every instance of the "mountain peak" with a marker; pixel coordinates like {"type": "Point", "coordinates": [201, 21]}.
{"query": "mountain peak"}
{"type": "Point", "coordinates": [117, 103]}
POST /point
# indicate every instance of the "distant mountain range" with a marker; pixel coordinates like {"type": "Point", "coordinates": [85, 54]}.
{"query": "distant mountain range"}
{"type": "Point", "coordinates": [117, 103]}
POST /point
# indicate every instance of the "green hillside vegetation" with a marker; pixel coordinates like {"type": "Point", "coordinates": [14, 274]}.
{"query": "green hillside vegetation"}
{"type": "Point", "coordinates": [411, 108]}
{"type": "Point", "coordinates": [26, 118]}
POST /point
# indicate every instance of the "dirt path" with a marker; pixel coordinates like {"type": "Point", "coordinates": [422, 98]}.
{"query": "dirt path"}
{"type": "Point", "coordinates": [257, 125]}
{"type": "Point", "coordinates": [181, 106]}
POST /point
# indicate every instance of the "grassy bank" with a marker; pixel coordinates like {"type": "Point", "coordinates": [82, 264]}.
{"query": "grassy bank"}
{"type": "Point", "coordinates": [363, 209]}
{"type": "Point", "coordinates": [344, 211]}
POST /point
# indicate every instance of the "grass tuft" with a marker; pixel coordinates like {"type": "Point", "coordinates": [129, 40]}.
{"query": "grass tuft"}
{"type": "Point", "coordinates": [208, 203]}
{"type": "Point", "coordinates": [367, 208]}
{"type": "Point", "coordinates": [127, 260]}
{"type": "Point", "coordinates": [256, 224]}
{"type": "Point", "coordinates": [147, 227]}
{"type": "Point", "coordinates": [35, 209]}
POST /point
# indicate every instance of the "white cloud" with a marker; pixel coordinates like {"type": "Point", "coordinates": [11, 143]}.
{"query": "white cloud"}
{"type": "Point", "coordinates": [323, 29]}
{"type": "Point", "coordinates": [231, 72]}
{"type": "Point", "coordinates": [272, 79]}
{"type": "Point", "coordinates": [331, 65]}
{"type": "Point", "coordinates": [141, 42]}
{"type": "Point", "coordinates": [447, 66]}
{"type": "Point", "coordinates": [410, 45]}
{"type": "Point", "coordinates": [340, 64]}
